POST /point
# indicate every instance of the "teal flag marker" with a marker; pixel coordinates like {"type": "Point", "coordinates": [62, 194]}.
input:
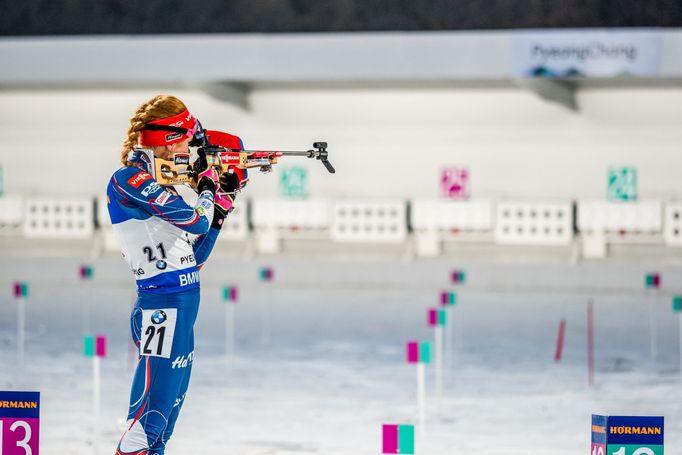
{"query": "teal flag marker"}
{"type": "Point", "coordinates": [425, 352]}
{"type": "Point", "coordinates": [89, 346]}
{"type": "Point", "coordinates": [406, 439]}
{"type": "Point", "coordinates": [677, 303]}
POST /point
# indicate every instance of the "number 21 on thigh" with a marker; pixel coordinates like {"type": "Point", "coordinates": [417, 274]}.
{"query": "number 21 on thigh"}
{"type": "Point", "coordinates": [158, 328]}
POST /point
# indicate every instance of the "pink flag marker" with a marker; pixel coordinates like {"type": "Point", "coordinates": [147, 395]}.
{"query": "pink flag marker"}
{"type": "Point", "coordinates": [101, 346]}
{"type": "Point", "coordinates": [412, 351]}
{"type": "Point", "coordinates": [390, 439]}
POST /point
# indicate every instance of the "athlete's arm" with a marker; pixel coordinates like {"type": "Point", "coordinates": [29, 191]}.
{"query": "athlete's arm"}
{"type": "Point", "coordinates": [203, 245]}
{"type": "Point", "coordinates": [139, 189]}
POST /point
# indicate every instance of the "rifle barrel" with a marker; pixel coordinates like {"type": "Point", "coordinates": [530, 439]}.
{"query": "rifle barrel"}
{"type": "Point", "coordinates": [309, 153]}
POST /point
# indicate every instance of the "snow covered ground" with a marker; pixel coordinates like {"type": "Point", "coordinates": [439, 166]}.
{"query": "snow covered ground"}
{"type": "Point", "coordinates": [320, 356]}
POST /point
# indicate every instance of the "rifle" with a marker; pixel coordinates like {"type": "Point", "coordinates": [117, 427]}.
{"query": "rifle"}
{"type": "Point", "coordinates": [222, 158]}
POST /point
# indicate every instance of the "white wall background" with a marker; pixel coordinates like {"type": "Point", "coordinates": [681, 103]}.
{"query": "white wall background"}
{"type": "Point", "coordinates": [382, 142]}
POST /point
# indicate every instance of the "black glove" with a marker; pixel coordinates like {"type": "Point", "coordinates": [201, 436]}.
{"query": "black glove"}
{"type": "Point", "coordinates": [229, 183]}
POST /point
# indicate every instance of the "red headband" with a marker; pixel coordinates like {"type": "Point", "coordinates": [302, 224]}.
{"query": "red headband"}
{"type": "Point", "coordinates": [169, 130]}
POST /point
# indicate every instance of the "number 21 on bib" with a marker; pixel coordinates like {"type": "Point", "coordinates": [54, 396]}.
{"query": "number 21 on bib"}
{"type": "Point", "coordinates": [158, 328]}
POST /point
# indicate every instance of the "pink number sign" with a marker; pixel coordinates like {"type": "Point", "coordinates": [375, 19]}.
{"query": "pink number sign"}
{"type": "Point", "coordinates": [19, 422]}
{"type": "Point", "coordinates": [454, 183]}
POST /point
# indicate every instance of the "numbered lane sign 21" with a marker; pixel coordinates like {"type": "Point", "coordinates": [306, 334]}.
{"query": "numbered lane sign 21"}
{"type": "Point", "coordinates": [19, 423]}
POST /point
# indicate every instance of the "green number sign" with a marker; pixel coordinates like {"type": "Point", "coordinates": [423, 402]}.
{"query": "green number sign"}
{"type": "Point", "coordinates": [293, 182]}
{"type": "Point", "coordinates": [622, 184]}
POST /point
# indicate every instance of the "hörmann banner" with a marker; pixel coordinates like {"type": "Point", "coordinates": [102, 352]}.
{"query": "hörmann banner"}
{"type": "Point", "coordinates": [586, 53]}
{"type": "Point", "coordinates": [627, 435]}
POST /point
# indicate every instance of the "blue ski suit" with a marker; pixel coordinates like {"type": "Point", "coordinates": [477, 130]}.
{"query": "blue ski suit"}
{"type": "Point", "coordinates": [152, 224]}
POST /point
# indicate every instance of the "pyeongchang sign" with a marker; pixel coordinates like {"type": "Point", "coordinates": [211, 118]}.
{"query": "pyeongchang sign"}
{"type": "Point", "coordinates": [585, 53]}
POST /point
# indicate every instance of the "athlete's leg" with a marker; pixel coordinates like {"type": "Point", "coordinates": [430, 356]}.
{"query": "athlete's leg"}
{"type": "Point", "coordinates": [159, 447]}
{"type": "Point", "coordinates": [157, 380]}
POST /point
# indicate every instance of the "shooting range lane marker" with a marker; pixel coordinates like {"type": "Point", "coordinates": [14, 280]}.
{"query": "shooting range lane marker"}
{"type": "Point", "coordinates": [420, 354]}
{"type": "Point", "coordinates": [677, 308]}
{"type": "Point", "coordinates": [448, 300]}
{"type": "Point", "coordinates": [95, 347]}
{"type": "Point", "coordinates": [267, 275]}
{"type": "Point", "coordinates": [652, 283]}
{"type": "Point", "coordinates": [397, 439]}
{"type": "Point", "coordinates": [458, 276]}
{"type": "Point", "coordinates": [19, 424]}
{"type": "Point", "coordinates": [627, 435]}
{"type": "Point", "coordinates": [230, 296]}
{"type": "Point", "coordinates": [86, 274]}
{"type": "Point", "coordinates": [561, 335]}
{"type": "Point", "coordinates": [21, 296]}
{"type": "Point", "coordinates": [437, 319]}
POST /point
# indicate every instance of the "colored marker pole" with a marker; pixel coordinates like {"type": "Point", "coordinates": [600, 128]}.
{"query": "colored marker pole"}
{"type": "Point", "coordinates": [86, 273]}
{"type": "Point", "coordinates": [677, 308]}
{"type": "Point", "coordinates": [459, 277]}
{"type": "Point", "coordinates": [560, 340]}
{"type": "Point", "coordinates": [230, 295]}
{"type": "Point", "coordinates": [420, 354]}
{"type": "Point", "coordinates": [21, 295]}
{"type": "Point", "coordinates": [590, 342]}
{"type": "Point", "coordinates": [96, 348]}
{"type": "Point", "coordinates": [448, 301]}
{"type": "Point", "coordinates": [437, 319]}
{"type": "Point", "coordinates": [266, 275]}
{"type": "Point", "coordinates": [652, 282]}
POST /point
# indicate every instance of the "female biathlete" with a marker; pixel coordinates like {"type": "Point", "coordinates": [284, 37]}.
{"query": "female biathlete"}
{"type": "Point", "coordinates": [152, 224]}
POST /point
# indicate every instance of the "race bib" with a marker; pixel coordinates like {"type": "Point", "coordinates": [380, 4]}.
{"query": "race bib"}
{"type": "Point", "coordinates": [158, 328]}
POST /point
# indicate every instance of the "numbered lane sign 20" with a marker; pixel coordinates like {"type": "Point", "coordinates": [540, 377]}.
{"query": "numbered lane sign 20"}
{"type": "Point", "coordinates": [19, 423]}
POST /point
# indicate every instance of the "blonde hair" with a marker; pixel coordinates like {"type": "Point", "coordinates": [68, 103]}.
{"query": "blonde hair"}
{"type": "Point", "coordinates": [161, 106]}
